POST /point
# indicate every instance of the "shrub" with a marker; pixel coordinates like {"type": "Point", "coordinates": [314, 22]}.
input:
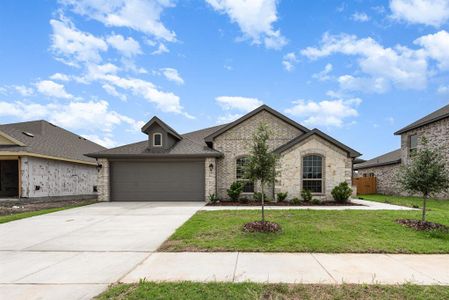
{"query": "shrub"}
{"type": "Point", "coordinates": [213, 198]}
{"type": "Point", "coordinates": [282, 196]}
{"type": "Point", "coordinates": [316, 201]}
{"type": "Point", "coordinates": [235, 190]}
{"type": "Point", "coordinates": [306, 195]}
{"type": "Point", "coordinates": [258, 197]}
{"type": "Point", "coordinates": [296, 200]}
{"type": "Point", "coordinates": [342, 192]}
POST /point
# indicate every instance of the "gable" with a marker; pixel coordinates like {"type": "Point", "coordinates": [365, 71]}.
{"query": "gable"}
{"type": "Point", "coordinates": [6, 140]}
{"type": "Point", "coordinates": [315, 144]}
{"type": "Point", "coordinates": [281, 131]}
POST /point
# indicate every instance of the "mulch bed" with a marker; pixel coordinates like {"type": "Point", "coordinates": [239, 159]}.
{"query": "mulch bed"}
{"type": "Point", "coordinates": [422, 226]}
{"type": "Point", "coordinates": [9, 207]}
{"type": "Point", "coordinates": [259, 226]}
{"type": "Point", "coordinates": [282, 203]}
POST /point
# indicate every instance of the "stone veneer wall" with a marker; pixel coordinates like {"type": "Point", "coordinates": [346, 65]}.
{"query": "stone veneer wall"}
{"type": "Point", "coordinates": [338, 167]}
{"type": "Point", "coordinates": [236, 142]}
{"type": "Point", "coordinates": [210, 177]}
{"type": "Point", "coordinates": [437, 135]}
{"type": "Point", "coordinates": [103, 180]}
{"type": "Point", "coordinates": [386, 177]}
{"type": "Point", "coordinates": [56, 178]}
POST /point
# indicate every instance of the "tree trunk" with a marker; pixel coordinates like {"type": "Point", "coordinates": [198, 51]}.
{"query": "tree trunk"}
{"type": "Point", "coordinates": [424, 207]}
{"type": "Point", "coordinates": [263, 203]}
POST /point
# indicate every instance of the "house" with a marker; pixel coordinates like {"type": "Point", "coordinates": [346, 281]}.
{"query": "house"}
{"type": "Point", "coordinates": [434, 127]}
{"type": "Point", "coordinates": [39, 160]}
{"type": "Point", "coordinates": [169, 166]}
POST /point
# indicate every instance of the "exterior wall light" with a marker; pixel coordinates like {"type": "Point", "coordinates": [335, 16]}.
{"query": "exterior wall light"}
{"type": "Point", "coordinates": [211, 167]}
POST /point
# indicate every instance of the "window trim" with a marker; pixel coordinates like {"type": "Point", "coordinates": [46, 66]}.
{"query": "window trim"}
{"type": "Point", "coordinates": [412, 151]}
{"type": "Point", "coordinates": [323, 173]}
{"type": "Point", "coordinates": [154, 139]}
{"type": "Point", "coordinates": [241, 179]}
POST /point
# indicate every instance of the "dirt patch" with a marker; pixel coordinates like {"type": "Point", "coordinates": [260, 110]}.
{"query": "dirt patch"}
{"type": "Point", "coordinates": [259, 226]}
{"type": "Point", "coordinates": [11, 207]}
{"type": "Point", "coordinates": [283, 203]}
{"type": "Point", "coordinates": [422, 225]}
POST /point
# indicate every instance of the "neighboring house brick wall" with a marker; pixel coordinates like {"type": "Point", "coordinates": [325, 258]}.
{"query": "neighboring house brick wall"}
{"type": "Point", "coordinates": [103, 180]}
{"type": "Point", "coordinates": [56, 178]}
{"type": "Point", "coordinates": [337, 167]}
{"type": "Point", "coordinates": [236, 142]}
{"type": "Point", "coordinates": [386, 178]}
{"type": "Point", "coordinates": [437, 135]}
{"type": "Point", "coordinates": [210, 177]}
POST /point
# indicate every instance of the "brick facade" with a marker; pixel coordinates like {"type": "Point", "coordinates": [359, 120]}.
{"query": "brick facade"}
{"type": "Point", "coordinates": [386, 178]}
{"type": "Point", "coordinates": [337, 167]}
{"type": "Point", "coordinates": [103, 180]}
{"type": "Point", "coordinates": [210, 177]}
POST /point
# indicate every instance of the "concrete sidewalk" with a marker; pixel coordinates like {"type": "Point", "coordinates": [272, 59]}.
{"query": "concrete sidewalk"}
{"type": "Point", "coordinates": [363, 205]}
{"type": "Point", "coordinates": [294, 268]}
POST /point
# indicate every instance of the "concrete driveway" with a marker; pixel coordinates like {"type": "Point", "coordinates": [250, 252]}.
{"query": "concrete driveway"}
{"type": "Point", "coordinates": [77, 253]}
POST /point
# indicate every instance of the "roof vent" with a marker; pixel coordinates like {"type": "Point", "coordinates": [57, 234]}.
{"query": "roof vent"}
{"type": "Point", "coordinates": [28, 133]}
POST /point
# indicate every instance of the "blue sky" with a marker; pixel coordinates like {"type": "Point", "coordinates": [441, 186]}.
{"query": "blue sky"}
{"type": "Point", "coordinates": [358, 70]}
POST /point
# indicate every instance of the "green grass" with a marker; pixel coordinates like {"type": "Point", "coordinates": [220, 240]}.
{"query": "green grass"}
{"type": "Point", "coordinates": [23, 215]}
{"type": "Point", "coordinates": [347, 231]}
{"type": "Point", "coordinates": [217, 291]}
{"type": "Point", "coordinates": [432, 204]}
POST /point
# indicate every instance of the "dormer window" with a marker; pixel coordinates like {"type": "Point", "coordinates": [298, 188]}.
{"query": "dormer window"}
{"type": "Point", "coordinates": [157, 139]}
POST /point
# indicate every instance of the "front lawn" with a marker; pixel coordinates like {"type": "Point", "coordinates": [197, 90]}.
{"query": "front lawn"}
{"type": "Point", "coordinates": [432, 204]}
{"type": "Point", "coordinates": [311, 231]}
{"type": "Point", "coordinates": [27, 214]}
{"type": "Point", "coordinates": [217, 291]}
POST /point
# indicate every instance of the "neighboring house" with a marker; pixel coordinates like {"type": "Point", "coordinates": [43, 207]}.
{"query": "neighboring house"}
{"type": "Point", "coordinates": [39, 160]}
{"type": "Point", "coordinates": [169, 166]}
{"type": "Point", "coordinates": [434, 127]}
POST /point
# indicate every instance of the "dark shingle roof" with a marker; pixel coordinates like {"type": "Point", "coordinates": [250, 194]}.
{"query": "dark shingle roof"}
{"type": "Point", "coordinates": [191, 145]}
{"type": "Point", "coordinates": [430, 118]}
{"type": "Point", "coordinates": [288, 145]}
{"type": "Point", "coordinates": [48, 140]}
{"type": "Point", "coordinates": [390, 158]}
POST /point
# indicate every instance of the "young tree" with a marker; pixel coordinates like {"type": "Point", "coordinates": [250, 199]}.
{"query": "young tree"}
{"type": "Point", "coordinates": [261, 162]}
{"type": "Point", "coordinates": [425, 174]}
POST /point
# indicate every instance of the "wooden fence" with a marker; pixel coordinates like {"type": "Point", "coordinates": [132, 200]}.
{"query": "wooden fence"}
{"type": "Point", "coordinates": [365, 185]}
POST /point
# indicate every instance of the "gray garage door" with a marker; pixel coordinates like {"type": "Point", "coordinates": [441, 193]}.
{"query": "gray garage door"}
{"type": "Point", "coordinates": [157, 181]}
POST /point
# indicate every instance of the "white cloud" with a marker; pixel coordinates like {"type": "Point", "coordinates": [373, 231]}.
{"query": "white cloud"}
{"type": "Point", "coordinates": [428, 12]}
{"type": "Point", "coordinates": [172, 75]}
{"type": "Point", "coordinates": [105, 141]}
{"type": "Point", "coordinates": [324, 74]}
{"type": "Point", "coordinates": [52, 89]}
{"type": "Point", "coordinates": [74, 46]}
{"type": "Point", "coordinates": [436, 47]}
{"type": "Point", "coordinates": [127, 46]}
{"type": "Point", "coordinates": [227, 118]}
{"type": "Point", "coordinates": [360, 17]}
{"type": "Point", "coordinates": [326, 112]}
{"type": "Point", "coordinates": [140, 15]}
{"type": "Point", "coordinates": [255, 19]}
{"type": "Point", "coordinates": [91, 116]}
{"type": "Point", "coordinates": [60, 77]}
{"type": "Point", "coordinates": [238, 103]}
{"type": "Point", "coordinates": [160, 50]}
{"type": "Point", "coordinates": [289, 61]}
{"type": "Point", "coordinates": [113, 92]}
{"type": "Point", "coordinates": [443, 90]}
{"type": "Point", "coordinates": [399, 66]}
{"type": "Point", "coordinates": [24, 91]}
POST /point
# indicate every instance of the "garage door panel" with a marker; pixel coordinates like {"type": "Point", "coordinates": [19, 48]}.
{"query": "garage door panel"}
{"type": "Point", "coordinates": [157, 181]}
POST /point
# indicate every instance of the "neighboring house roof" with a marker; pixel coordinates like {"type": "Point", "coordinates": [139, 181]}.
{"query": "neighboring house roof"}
{"type": "Point", "coordinates": [213, 135]}
{"type": "Point", "coordinates": [390, 158]}
{"type": "Point", "coordinates": [430, 118]}
{"type": "Point", "coordinates": [163, 125]}
{"type": "Point", "coordinates": [191, 145]}
{"type": "Point", "coordinates": [358, 161]}
{"type": "Point", "coordinates": [47, 140]}
{"type": "Point", "coordinates": [351, 152]}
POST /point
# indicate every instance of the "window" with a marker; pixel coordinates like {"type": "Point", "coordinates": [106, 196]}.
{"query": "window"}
{"type": "Point", "coordinates": [240, 175]}
{"type": "Point", "coordinates": [157, 140]}
{"type": "Point", "coordinates": [413, 144]}
{"type": "Point", "coordinates": [312, 173]}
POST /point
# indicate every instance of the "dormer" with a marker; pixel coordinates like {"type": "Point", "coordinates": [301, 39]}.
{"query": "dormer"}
{"type": "Point", "coordinates": [160, 135]}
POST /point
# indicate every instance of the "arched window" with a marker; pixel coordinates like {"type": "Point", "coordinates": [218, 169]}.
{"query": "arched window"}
{"type": "Point", "coordinates": [157, 139]}
{"type": "Point", "coordinates": [240, 175]}
{"type": "Point", "coordinates": [312, 173]}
